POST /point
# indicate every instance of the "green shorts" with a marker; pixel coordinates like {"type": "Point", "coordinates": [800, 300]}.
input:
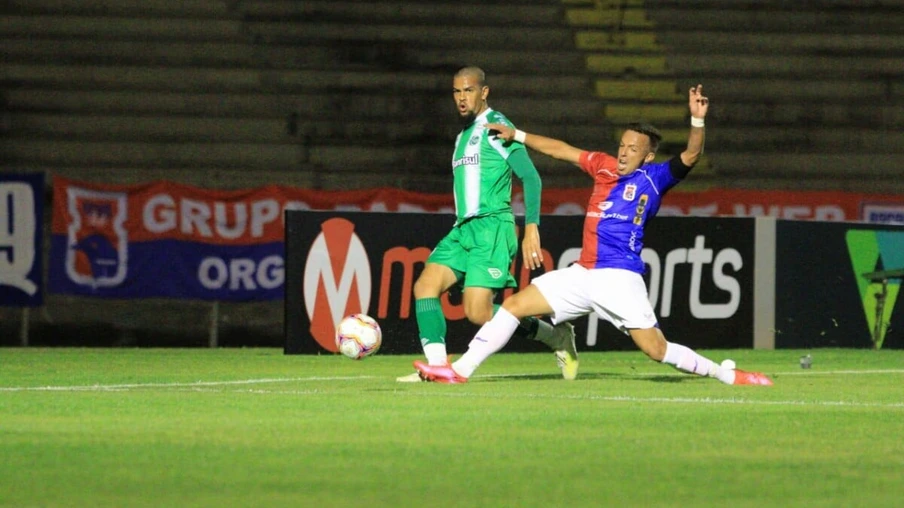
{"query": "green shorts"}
{"type": "Point", "coordinates": [481, 251]}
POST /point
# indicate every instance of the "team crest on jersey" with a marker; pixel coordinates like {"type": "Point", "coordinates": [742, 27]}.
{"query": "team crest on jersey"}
{"type": "Point", "coordinates": [97, 239]}
{"type": "Point", "coordinates": [630, 189]}
{"type": "Point", "coordinates": [474, 140]}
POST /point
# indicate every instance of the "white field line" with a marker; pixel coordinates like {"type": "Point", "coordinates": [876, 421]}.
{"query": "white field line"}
{"type": "Point", "coordinates": [122, 387]}
{"type": "Point", "coordinates": [670, 372]}
{"type": "Point", "coordinates": [239, 382]}
{"type": "Point", "coordinates": [811, 372]}
{"type": "Point", "coordinates": [455, 393]}
{"type": "Point", "coordinates": [233, 386]}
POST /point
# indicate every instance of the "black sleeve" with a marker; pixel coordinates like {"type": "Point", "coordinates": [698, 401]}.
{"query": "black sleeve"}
{"type": "Point", "coordinates": [678, 168]}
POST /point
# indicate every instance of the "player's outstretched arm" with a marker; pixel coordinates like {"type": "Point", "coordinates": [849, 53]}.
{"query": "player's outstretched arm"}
{"type": "Point", "coordinates": [552, 147]}
{"type": "Point", "coordinates": [699, 105]}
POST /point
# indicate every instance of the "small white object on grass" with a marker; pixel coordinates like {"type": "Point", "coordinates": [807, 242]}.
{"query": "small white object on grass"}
{"type": "Point", "coordinates": [728, 364]}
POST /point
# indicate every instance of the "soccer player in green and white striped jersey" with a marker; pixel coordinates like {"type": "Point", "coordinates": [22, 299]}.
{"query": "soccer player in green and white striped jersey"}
{"type": "Point", "coordinates": [482, 244]}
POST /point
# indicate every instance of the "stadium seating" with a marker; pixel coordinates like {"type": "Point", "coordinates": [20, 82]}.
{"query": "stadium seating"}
{"type": "Point", "coordinates": [807, 95]}
{"type": "Point", "coordinates": [327, 93]}
{"type": "Point", "coordinates": [315, 94]}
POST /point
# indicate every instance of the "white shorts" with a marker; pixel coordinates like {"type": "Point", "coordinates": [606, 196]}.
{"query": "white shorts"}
{"type": "Point", "coordinates": [616, 295]}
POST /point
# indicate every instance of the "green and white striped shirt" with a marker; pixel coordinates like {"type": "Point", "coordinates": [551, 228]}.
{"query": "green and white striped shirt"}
{"type": "Point", "coordinates": [481, 176]}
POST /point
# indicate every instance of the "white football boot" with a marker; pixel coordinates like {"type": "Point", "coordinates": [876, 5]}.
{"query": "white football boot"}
{"type": "Point", "coordinates": [566, 353]}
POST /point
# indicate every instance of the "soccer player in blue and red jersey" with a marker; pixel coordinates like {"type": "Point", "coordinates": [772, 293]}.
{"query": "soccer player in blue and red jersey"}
{"type": "Point", "coordinates": [608, 277]}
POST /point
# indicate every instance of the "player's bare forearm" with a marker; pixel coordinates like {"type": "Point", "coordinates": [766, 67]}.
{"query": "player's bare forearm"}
{"type": "Point", "coordinates": [698, 105]}
{"type": "Point", "coordinates": [554, 148]}
{"type": "Point", "coordinates": [694, 149]}
{"type": "Point", "coordinates": [531, 253]}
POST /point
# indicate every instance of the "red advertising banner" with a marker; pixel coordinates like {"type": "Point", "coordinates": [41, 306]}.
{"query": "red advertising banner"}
{"type": "Point", "coordinates": [164, 239]}
{"type": "Point", "coordinates": [794, 205]}
{"type": "Point", "coordinates": [832, 206]}
{"type": "Point", "coordinates": [199, 213]}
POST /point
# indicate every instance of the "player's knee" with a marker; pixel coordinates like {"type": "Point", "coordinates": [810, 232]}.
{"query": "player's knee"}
{"type": "Point", "coordinates": [478, 314]}
{"type": "Point", "coordinates": [425, 287]}
{"type": "Point", "coordinates": [515, 306]}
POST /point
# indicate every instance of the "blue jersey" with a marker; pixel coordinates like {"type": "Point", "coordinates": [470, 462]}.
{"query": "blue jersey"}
{"type": "Point", "coordinates": [619, 208]}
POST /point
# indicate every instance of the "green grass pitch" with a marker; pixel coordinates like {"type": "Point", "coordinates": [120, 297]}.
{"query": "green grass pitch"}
{"type": "Point", "coordinates": [253, 427]}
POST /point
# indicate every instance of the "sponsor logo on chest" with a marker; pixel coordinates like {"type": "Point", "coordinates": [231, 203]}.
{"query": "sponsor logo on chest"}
{"type": "Point", "coordinates": [467, 160]}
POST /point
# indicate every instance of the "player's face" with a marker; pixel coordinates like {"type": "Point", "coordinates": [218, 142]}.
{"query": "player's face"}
{"type": "Point", "coordinates": [633, 152]}
{"type": "Point", "coordinates": [470, 97]}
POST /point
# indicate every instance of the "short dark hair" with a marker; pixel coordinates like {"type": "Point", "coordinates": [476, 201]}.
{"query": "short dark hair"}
{"type": "Point", "coordinates": [473, 71]}
{"type": "Point", "coordinates": [649, 131]}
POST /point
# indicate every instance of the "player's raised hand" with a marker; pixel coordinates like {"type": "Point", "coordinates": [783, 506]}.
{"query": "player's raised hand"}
{"type": "Point", "coordinates": [503, 132]}
{"type": "Point", "coordinates": [698, 103]}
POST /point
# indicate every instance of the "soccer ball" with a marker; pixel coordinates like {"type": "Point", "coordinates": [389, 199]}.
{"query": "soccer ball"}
{"type": "Point", "coordinates": [358, 336]}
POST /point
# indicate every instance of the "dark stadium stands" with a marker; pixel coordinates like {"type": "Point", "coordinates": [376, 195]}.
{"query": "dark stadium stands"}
{"type": "Point", "coordinates": [315, 94]}
{"type": "Point", "coordinates": [354, 94]}
{"type": "Point", "coordinates": [809, 94]}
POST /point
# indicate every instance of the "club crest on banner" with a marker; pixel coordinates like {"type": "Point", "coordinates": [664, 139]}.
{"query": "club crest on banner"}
{"type": "Point", "coordinates": [337, 279]}
{"type": "Point", "coordinates": [97, 241]}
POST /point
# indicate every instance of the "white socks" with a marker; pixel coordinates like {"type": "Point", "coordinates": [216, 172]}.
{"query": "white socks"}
{"type": "Point", "coordinates": [491, 337]}
{"type": "Point", "coordinates": [436, 353]}
{"type": "Point", "coordinates": [684, 358]}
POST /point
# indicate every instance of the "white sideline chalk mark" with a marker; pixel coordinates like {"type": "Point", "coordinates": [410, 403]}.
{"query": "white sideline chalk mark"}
{"type": "Point", "coordinates": [130, 386]}
{"type": "Point", "coordinates": [680, 400]}
{"type": "Point", "coordinates": [812, 372]}
{"type": "Point", "coordinates": [682, 374]}
{"type": "Point", "coordinates": [221, 387]}
{"type": "Point", "coordinates": [587, 397]}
